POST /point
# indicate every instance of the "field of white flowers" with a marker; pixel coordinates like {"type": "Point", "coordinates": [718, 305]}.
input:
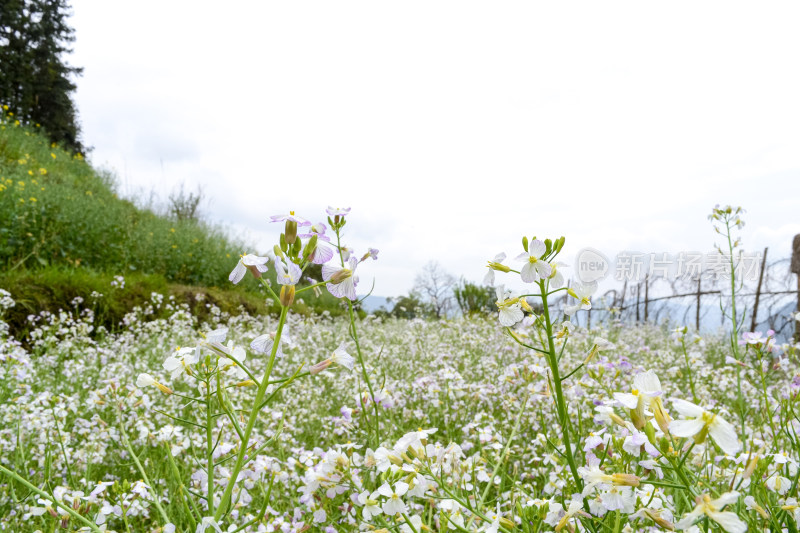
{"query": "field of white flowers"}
{"type": "Point", "coordinates": [513, 422]}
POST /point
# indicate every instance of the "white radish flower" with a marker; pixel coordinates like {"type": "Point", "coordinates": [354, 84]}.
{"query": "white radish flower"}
{"type": "Point", "coordinates": [181, 359]}
{"type": "Point", "coordinates": [729, 521]}
{"type": "Point", "coordinates": [700, 423]}
{"type": "Point", "coordinates": [370, 503]}
{"type": "Point", "coordinates": [495, 264]}
{"type": "Point", "coordinates": [535, 267]}
{"type": "Point", "coordinates": [394, 505]}
{"type": "Point", "coordinates": [582, 292]}
{"type": "Point", "coordinates": [646, 394]}
{"type": "Point", "coordinates": [342, 281]}
{"type": "Point", "coordinates": [256, 264]}
{"type": "Point", "coordinates": [510, 309]}
{"type": "Point", "coordinates": [778, 484]}
{"type": "Point", "coordinates": [146, 380]}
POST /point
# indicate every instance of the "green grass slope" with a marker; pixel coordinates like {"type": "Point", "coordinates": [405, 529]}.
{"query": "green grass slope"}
{"type": "Point", "coordinates": [65, 233]}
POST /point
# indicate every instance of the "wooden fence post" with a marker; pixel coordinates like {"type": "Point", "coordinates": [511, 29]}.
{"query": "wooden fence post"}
{"type": "Point", "coordinates": [754, 321]}
{"type": "Point", "coordinates": [646, 295]}
{"type": "Point", "coordinates": [697, 313]}
{"type": "Point", "coordinates": [795, 267]}
{"type": "Point", "coordinates": [638, 292]}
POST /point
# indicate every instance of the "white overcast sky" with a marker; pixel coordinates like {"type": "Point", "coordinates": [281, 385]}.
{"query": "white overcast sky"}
{"type": "Point", "coordinates": [453, 128]}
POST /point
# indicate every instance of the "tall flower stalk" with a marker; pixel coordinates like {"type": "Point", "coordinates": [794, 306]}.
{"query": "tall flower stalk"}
{"type": "Point", "coordinates": [730, 217]}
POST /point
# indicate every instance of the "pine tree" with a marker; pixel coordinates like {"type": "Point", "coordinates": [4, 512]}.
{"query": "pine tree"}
{"type": "Point", "coordinates": [35, 80]}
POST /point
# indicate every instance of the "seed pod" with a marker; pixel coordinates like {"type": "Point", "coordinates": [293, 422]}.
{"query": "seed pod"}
{"type": "Point", "coordinates": [291, 231]}
{"type": "Point", "coordinates": [287, 295]}
{"type": "Point", "coordinates": [311, 245]}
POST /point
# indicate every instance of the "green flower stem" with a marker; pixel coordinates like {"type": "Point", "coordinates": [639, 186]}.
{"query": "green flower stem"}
{"type": "Point", "coordinates": [735, 334]}
{"type": "Point", "coordinates": [688, 369]}
{"type": "Point", "coordinates": [251, 422]}
{"type": "Point", "coordinates": [209, 449]}
{"type": "Point", "coordinates": [271, 292]}
{"type": "Point", "coordinates": [35, 489]}
{"type": "Point", "coordinates": [364, 375]}
{"type": "Point", "coordinates": [298, 291]}
{"type": "Point", "coordinates": [561, 405]}
{"type": "Point", "coordinates": [182, 489]}
{"type": "Point", "coordinates": [503, 456]}
{"type": "Point", "coordinates": [354, 336]}
{"type": "Point", "coordinates": [139, 467]}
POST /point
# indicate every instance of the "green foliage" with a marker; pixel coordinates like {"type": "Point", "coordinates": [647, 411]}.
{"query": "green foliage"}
{"type": "Point", "coordinates": [35, 80]}
{"type": "Point", "coordinates": [54, 289]}
{"type": "Point", "coordinates": [56, 210]}
{"type": "Point", "coordinates": [411, 306]}
{"type": "Point", "coordinates": [474, 299]}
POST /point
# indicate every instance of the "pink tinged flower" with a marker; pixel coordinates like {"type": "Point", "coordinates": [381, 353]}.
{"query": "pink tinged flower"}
{"type": "Point", "coordinates": [699, 423]}
{"type": "Point", "coordinates": [287, 275]}
{"type": "Point", "coordinates": [341, 281]}
{"type": "Point", "coordinates": [322, 254]}
{"type": "Point", "coordinates": [291, 217]}
{"type": "Point", "coordinates": [633, 444]}
{"type": "Point", "coordinates": [371, 252]}
{"type": "Point", "coordinates": [263, 343]}
{"type": "Point", "coordinates": [320, 515]}
{"type": "Point", "coordinates": [337, 211]}
{"type": "Point", "coordinates": [341, 357]}
{"type": "Point", "coordinates": [254, 263]}
{"type": "Point", "coordinates": [535, 268]}
{"type": "Point", "coordinates": [595, 439]}
{"type": "Point", "coordinates": [728, 520]}
{"type": "Point", "coordinates": [317, 229]}
{"type": "Point", "coordinates": [394, 504]}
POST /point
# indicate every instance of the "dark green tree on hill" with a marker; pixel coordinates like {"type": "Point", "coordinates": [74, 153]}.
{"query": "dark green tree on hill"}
{"type": "Point", "coordinates": [35, 80]}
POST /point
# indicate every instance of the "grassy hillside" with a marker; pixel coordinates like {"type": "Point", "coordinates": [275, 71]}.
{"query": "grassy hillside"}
{"type": "Point", "coordinates": [55, 209]}
{"type": "Point", "coordinates": [65, 233]}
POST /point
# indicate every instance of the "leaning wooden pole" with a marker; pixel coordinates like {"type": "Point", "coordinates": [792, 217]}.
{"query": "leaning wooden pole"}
{"type": "Point", "coordinates": [754, 321]}
{"type": "Point", "coordinates": [796, 269]}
